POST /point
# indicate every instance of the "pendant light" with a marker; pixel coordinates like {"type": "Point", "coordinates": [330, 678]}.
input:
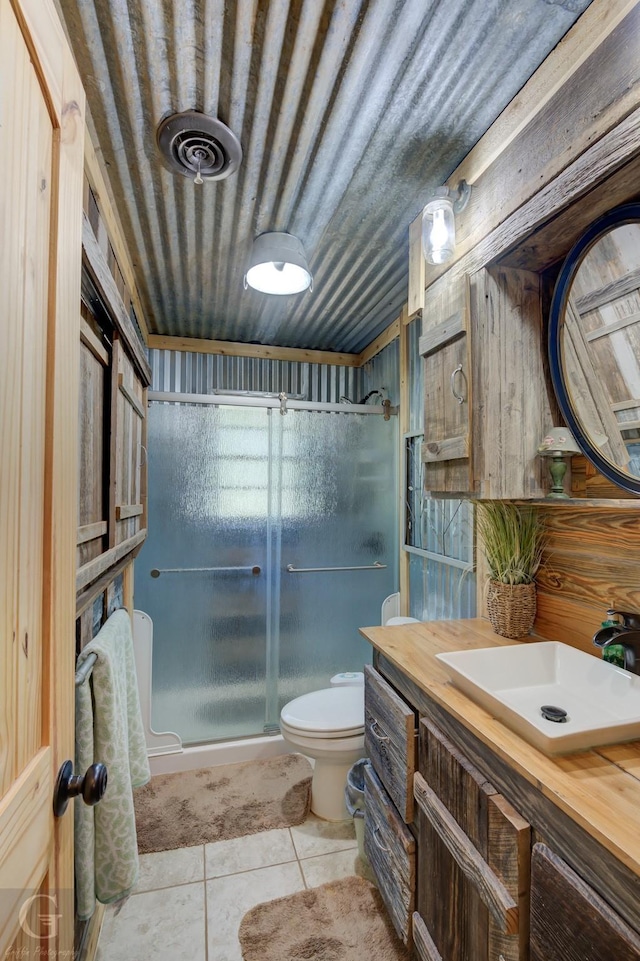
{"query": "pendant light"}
{"type": "Point", "coordinates": [278, 265]}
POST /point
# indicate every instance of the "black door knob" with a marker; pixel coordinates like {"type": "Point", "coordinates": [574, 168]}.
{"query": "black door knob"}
{"type": "Point", "coordinates": [92, 786]}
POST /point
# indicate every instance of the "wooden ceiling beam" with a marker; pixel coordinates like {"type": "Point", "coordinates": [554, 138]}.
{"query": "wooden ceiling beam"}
{"type": "Point", "coordinates": [299, 355]}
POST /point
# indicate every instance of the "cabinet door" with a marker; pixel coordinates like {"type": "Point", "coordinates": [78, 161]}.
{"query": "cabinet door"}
{"type": "Point", "coordinates": [473, 871]}
{"type": "Point", "coordinates": [569, 920]}
{"type": "Point", "coordinates": [128, 414]}
{"type": "Point", "coordinates": [514, 404]}
{"type": "Point", "coordinates": [446, 348]}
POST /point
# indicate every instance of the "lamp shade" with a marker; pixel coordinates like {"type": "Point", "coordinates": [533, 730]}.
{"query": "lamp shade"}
{"type": "Point", "coordinates": [438, 228]}
{"type": "Point", "coordinates": [278, 265]}
{"type": "Point", "coordinates": [559, 440]}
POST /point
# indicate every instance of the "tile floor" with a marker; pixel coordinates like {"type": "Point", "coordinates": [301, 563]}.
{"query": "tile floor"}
{"type": "Point", "coordinates": [188, 903]}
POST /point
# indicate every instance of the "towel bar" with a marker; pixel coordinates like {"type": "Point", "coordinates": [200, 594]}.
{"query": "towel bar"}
{"type": "Point", "coordinates": [85, 669]}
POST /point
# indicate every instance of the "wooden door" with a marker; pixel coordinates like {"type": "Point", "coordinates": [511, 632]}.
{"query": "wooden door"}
{"type": "Point", "coordinates": [446, 349]}
{"type": "Point", "coordinates": [41, 158]}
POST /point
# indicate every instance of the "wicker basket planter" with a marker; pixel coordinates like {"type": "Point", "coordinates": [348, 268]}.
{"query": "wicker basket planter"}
{"type": "Point", "coordinates": [511, 608]}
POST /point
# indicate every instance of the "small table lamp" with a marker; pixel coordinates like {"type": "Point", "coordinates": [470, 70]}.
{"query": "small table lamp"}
{"type": "Point", "coordinates": [557, 443]}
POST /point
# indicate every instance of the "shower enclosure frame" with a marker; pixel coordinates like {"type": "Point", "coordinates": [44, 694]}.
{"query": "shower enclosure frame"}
{"type": "Point", "coordinates": [284, 404]}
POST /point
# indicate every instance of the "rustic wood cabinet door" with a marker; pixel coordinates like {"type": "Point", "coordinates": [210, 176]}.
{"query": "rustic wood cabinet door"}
{"type": "Point", "coordinates": [445, 345]}
{"type": "Point", "coordinates": [569, 921]}
{"type": "Point", "coordinates": [473, 861]}
{"type": "Point", "coordinates": [41, 158]}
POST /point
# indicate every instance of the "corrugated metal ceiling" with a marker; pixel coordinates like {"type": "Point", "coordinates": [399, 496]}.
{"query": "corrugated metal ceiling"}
{"type": "Point", "coordinates": [348, 112]}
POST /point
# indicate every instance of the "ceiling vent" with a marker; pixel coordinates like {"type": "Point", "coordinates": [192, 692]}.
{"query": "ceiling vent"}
{"type": "Point", "coordinates": [198, 146]}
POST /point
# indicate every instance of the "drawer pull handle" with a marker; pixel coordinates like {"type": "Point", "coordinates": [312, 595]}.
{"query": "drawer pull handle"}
{"type": "Point", "coordinates": [376, 838]}
{"type": "Point", "coordinates": [490, 888]}
{"type": "Point", "coordinates": [374, 727]}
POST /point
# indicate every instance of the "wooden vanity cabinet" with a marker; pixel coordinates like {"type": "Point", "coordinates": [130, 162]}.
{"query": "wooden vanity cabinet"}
{"type": "Point", "coordinates": [502, 873]}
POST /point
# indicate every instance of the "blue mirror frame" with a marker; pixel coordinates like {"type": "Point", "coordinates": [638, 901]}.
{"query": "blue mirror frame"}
{"type": "Point", "coordinates": [627, 213]}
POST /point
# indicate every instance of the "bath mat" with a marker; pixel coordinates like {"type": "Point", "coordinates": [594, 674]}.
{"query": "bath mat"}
{"type": "Point", "coordinates": [341, 921]}
{"type": "Point", "coordinates": [218, 803]}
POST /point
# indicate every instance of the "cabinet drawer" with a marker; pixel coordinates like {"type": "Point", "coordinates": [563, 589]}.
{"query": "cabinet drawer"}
{"type": "Point", "coordinates": [390, 740]}
{"type": "Point", "coordinates": [474, 857]}
{"type": "Point", "coordinates": [391, 850]}
{"type": "Point", "coordinates": [569, 920]}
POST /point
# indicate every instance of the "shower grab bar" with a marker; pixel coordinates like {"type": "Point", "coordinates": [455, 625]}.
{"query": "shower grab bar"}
{"type": "Point", "coordinates": [312, 570]}
{"type": "Point", "coordinates": [156, 572]}
{"type": "Point", "coordinates": [85, 669]}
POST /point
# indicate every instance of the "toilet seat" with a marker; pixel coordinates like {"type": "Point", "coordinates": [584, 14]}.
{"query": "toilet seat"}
{"type": "Point", "coordinates": [335, 712]}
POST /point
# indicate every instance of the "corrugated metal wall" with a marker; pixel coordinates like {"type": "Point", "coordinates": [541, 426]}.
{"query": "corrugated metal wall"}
{"type": "Point", "coordinates": [186, 372]}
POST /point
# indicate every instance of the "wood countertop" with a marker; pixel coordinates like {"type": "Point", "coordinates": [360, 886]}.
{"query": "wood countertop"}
{"type": "Point", "coordinates": [598, 789]}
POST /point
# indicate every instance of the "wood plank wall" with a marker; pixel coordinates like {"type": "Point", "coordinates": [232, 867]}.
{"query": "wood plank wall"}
{"type": "Point", "coordinates": [591, 563]}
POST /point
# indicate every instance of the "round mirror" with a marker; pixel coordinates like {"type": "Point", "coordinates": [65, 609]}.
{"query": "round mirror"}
{"type": "Point", "coordinates": [594, 344]}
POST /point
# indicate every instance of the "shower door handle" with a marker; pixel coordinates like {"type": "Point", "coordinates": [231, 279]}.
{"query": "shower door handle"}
{"type": "Point", "coordinates": [156, 572]}
{"type": "Point", "coordinates": [377, 566]}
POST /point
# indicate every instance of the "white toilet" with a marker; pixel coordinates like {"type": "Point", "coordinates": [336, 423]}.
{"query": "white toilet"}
{"type": "Point", "coordinates": [328, 726]}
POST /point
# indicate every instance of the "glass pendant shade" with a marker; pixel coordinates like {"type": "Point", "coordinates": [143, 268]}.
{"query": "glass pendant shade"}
{"type": "Point", "coordinates": [278, 265]}
{"type": "Point", "coordinates": [438, 230]}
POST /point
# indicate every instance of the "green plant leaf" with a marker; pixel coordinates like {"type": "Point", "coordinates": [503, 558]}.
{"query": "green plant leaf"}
{"type": "Point", "coordinates": [513, 539]}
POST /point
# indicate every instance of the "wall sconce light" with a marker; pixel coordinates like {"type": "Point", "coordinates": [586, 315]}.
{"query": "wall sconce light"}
{"type": "Point", "coordinates": [438, 222]}
{"type": "Point", "coordinates": [278, 265]}
{"type": "Point", "coordinates": [557, 444]}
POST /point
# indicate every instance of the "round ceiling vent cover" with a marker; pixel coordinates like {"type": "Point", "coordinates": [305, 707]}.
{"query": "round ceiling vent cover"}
{"type": "Point", "coordinates": [198, 146]}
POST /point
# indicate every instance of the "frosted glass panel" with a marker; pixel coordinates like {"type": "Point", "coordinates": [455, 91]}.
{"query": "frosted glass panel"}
{"type": "Point", "coordinates": [208, 507]}
{"type": "Point", "coordinates": [337, 508]}
{"type": "Point", "coordinates": [233, 486]}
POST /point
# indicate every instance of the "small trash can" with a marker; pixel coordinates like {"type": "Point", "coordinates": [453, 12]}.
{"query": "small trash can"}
{"type": "Point", "coordinates": [354, 799]}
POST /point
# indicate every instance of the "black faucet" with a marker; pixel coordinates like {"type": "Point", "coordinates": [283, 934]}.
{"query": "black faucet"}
{"type": "Point", "coordinates": [630, 642]}
{"type": "Point", "coordinates": [630, 621]}
{"type": "Point", "coordinates": [626, 633]}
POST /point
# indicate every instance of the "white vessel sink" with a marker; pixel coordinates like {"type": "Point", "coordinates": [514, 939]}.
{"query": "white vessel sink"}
{"type": "Point", "coordinates": [513, 683]}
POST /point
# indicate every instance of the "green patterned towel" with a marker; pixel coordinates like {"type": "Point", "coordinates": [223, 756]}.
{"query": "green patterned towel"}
{"type": "Point", "coordinates": [109, 729]}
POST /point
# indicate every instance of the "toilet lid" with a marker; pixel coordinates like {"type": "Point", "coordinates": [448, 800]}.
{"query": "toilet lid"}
{"type": "Point", "coordinates": [332, 712]}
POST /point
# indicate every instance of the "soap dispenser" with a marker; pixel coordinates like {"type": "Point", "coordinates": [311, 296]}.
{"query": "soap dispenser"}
{"type": "Point", "coordinates": [613, 653]}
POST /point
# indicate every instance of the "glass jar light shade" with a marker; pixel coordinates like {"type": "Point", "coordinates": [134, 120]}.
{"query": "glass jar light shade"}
{"type": "Point", "coordinates": [278, 265]}
{"type": "Point", "coordinates": [438, 230]}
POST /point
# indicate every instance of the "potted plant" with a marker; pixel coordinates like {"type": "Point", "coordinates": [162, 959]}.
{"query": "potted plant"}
{"type": "Point", "coordinates": [513, 540]}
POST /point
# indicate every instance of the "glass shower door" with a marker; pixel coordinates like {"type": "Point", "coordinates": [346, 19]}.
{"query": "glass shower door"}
{"type": "Point", "coordinates": [233, 489]}
{"type": "Point", "coordinates": [208, 530]}
{"type": "Point", "coordinates": [336, 506]}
